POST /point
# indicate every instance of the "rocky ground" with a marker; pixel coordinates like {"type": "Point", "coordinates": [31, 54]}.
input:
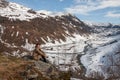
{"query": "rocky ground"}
{"type": "Point", "coordinates": [12, 68]}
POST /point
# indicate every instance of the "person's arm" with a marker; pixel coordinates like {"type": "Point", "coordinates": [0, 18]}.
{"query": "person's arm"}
{"type": "Point", "coordinates": [40, 52]}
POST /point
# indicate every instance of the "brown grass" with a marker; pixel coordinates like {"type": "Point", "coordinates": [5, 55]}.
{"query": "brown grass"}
{"type": "Point", "coordinates": [11, 67]}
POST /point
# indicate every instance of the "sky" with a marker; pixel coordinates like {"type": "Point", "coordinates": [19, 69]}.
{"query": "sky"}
{"type": "Point", "coordinates": [104, 11]}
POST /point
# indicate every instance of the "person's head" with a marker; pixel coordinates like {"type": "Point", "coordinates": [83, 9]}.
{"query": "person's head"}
{"type": "Point", "coordinates": [37, 45]}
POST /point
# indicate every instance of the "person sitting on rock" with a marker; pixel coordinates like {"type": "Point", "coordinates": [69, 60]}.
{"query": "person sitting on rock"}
{"type": "Point", "coordinates": [38, 54]}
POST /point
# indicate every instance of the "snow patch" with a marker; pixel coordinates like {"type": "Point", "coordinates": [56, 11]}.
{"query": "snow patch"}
{"type": "Point", "coordinates": [26, 33]}
{"type": "Point", "coordinates": [28, 45]}
{"type": "Point", "coordinates": [17, 33]}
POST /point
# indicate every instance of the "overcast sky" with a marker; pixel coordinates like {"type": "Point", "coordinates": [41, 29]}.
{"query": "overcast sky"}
{"type": "Point", "coordinates": [87, 10]}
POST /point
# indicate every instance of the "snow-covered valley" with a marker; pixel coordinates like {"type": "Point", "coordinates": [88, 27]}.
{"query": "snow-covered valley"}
{"type": "Point", "coordinates": [100, 54]}
{"type": "Point", "coordinates": [65, 55]}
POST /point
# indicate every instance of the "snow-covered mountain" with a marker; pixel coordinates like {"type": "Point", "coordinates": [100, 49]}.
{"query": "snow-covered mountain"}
{"type": "Point", "coordinates": [102, 54]}
{"type": "Point", "coordinates": [18, 34]}
{"type": "Point", "coordinates": [15, 11]}
{"type": "Point", "coordinates": [89, 50]}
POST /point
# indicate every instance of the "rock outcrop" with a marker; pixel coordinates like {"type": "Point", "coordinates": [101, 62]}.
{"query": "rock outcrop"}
{"type": "Point", "coordinates": [12, 68]}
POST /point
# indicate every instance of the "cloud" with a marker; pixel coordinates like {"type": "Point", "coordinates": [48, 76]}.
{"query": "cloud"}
{"type": "Point", "coordinates": [113, 14]}
{"type": "Point", "coordinates": [86, 6]}
{"type": "Point", "coordinates": [81, 1]}
{"type": "Point", "coordinates": [77, 1]}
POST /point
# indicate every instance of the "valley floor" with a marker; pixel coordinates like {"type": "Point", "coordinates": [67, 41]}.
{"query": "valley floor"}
{"type": "Point", "coordinates": [96, 55]}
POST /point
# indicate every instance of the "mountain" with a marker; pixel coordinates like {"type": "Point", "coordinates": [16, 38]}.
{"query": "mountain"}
{"type": "Point", "coordinates": [87, 50]}
{"type": "Point", "coordinates": [3, 3]}
{"type": "Point", "coordinates": [21, 26]}
{"type": "Point", "coordinates": [102, 54]}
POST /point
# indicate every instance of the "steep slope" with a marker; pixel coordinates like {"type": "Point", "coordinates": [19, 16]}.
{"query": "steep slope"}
{"type": "Point", "coordinates": [15, 11]}
{"type": "Point", "coordinates": [22, 27]}
{"type": "Point", "coordinates": [102, 54]}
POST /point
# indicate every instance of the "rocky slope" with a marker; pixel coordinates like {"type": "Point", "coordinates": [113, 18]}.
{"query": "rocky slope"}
{"type": "Point", "coordinates": [21, 26]}
{"type": "Point", "coordinates": [28, 70]}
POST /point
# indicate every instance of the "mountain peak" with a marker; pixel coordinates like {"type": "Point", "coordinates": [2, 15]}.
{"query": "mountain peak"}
{"type": "Point", "coordinates": [4, 3]}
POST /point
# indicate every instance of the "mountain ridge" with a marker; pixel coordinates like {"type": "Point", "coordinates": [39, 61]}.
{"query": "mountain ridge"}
{"type": "Point", "coordinates": [21, 26]}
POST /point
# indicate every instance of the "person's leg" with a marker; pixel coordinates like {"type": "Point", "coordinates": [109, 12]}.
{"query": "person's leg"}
{"type": "Point", "coordinates": [44, 59]}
